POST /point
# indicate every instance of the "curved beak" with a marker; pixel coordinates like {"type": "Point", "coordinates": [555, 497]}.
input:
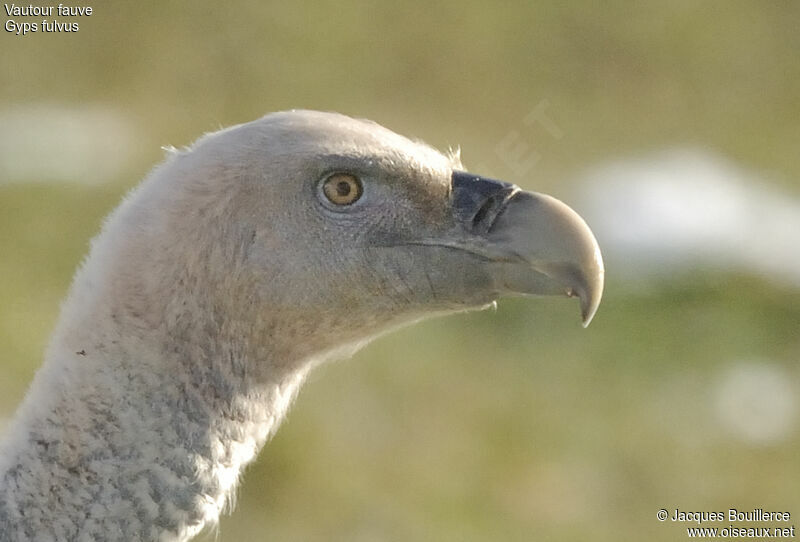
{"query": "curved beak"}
{"type": "Point", "coordinates": [551, 251]}
{"type": "Point", "coordinates": [536, 245]}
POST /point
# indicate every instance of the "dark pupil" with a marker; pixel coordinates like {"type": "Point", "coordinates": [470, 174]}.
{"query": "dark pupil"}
{"type": "Point", "coordinates": [343, 188]}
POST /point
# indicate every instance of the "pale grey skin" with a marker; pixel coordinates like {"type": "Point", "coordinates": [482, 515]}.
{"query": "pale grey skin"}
{"type": "Point", "coordinates": [219, 283]}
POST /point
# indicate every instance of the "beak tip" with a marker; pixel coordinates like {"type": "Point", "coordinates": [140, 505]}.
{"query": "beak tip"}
{"type": "Point", "coordinates": [589, 292]}
{"type": "Point", "coordinates": [559, 253]}
{"type": "Point", "coordinates": [587, 314]}
{"type": "Point", "coordinates": [590, 301]}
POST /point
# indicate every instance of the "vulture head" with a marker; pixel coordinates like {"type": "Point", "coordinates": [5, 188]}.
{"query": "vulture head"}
{"type": "Point", "coordinates": [236, 266]}
{"type": "Point", "coordinates": [317, 231]}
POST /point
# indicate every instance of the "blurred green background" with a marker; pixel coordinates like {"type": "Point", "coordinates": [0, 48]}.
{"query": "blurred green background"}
{"type": "Point", "coordinates": [514, 424]}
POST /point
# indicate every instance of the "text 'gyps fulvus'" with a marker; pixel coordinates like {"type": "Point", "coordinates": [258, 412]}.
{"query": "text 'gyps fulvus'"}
{"type": "Point", "coordinates": [232, 270]}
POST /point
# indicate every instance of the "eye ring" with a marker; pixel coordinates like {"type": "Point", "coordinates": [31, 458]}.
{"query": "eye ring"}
{"type": "Point", "coordinates": [342, 189]}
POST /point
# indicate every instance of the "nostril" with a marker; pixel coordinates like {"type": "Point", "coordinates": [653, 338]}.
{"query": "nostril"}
{"type": "Point", "coordinates": [478, 201]}
{"type": "Point", "coordinates": [484, 211]}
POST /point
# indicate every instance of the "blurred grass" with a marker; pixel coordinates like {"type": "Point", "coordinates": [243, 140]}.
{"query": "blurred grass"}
{"type": "Point", "coordinates": [515, 424]}
{"type": "Point", "coordinates": [506, 425]}
{"type": "Point", "coordinates": [619, 76]}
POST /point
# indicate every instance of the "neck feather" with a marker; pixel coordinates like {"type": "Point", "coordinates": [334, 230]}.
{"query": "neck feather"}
{"type": "Point", "coordinates": [108, 445]}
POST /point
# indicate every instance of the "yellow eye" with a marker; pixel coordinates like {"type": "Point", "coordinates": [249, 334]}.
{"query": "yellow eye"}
{"type": "Point", "coordinates": [342, 189]}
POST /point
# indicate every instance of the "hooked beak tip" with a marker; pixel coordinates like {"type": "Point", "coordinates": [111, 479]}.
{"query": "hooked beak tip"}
{"type": "Point", "coordinates": [560, 252]}
{"type": "Point", "coordinates": [590, 289]}
{"type": "Point", "coordinates": [589, 304]}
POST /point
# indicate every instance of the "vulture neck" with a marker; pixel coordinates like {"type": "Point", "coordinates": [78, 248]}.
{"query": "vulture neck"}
{"type": "Point", "coordinates": [131, 432]}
